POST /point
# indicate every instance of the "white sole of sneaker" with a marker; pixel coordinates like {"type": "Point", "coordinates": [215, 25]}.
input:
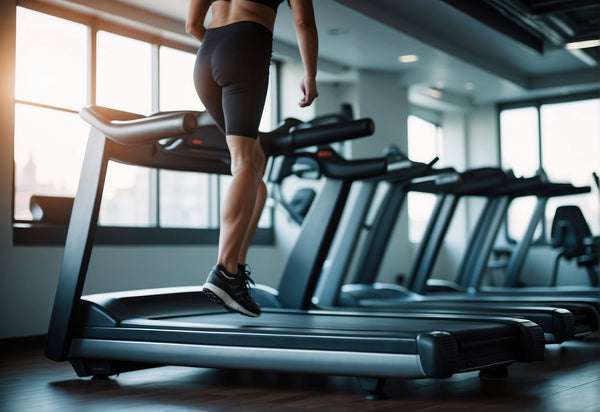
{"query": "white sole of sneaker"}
{"type": "Point", "coordinates": [220, 296]}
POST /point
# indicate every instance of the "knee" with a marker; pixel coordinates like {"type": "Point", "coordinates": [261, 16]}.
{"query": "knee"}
{"type": "Point", "coordinates": [252, 165]}
{"type": "Point", "coordinates": [247, 157]}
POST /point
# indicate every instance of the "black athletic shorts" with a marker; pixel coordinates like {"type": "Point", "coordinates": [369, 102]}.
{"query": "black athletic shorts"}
{"type": "Point", "coordinates": [231, 75]}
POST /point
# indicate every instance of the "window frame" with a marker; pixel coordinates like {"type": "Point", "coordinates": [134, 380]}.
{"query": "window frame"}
{"type": "Point", "coordinates": [33, 233]}
{"type": "Point", "coordinates": [542, 238]}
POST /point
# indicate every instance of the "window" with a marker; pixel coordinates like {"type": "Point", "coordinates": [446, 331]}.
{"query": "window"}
{"type": "Point", "coordinates": [571, 153]}
{"type": "Point", "coordinates": [519, 152]}
{"type": "Point", "coordinates": [561, 137]}
{"type": "Point", "coordinates": [50, 86]}
{"type": "Point", "coordinates": [124, 78]}
{"type": "Point", "coordinates": [520, 141]}
{"type": "Point", "coordinates": [424, 141]}
{"type": "Point", "coordinates": [133, 72]}
{"type": "Point", "coordinates": [51, 60]}
{"type": "Point", "coordinates": [184, 199]}
{"type": "Point", "coordinates": [176, 87]}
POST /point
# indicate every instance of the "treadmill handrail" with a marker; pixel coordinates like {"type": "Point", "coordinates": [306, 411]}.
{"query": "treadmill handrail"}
{"type": "Point", "coordinates": [299, 137]}
{"type": "Point", "coordinates": [132, 129]}
{"type": "Point", "coordinates": [143, 129]}
{"type": "Point", "coordinates": [461, 183]}
{"type": "Point", "coordinates": [326, 162]}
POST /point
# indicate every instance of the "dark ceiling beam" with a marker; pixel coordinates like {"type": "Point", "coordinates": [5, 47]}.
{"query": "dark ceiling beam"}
{"type": "Point", "coordinates": [498, 21]}
{"type": "Point", "coordinates": [558, 6]}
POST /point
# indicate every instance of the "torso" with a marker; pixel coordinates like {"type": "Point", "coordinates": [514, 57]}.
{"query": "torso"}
{"type": "Point", "coordinates": [231, 11]}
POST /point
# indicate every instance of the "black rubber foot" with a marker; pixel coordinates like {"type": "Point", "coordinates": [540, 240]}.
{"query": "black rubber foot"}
{"type": "Point", "coordinates": [373, 388]}
{"type": "Point", "coordinates": [376, 396]}
{"type": "Point", "coordinates": [494, 373]}
{"type": "Point", "coordinates": [101, 378]}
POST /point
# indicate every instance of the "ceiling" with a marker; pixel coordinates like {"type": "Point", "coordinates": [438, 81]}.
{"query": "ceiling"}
{"type": "Point", "coordinates": [471, 52]}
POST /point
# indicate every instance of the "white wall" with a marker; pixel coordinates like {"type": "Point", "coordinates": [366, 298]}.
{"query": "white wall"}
{"type": "Point", "coordinates": [382, 99]}
{"type": "Point", "coordinates": [482, 137]}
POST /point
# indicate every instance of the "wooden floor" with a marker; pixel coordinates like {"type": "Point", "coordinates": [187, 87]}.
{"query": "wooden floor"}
{"type": "Point", "coordinates": [568, 380]}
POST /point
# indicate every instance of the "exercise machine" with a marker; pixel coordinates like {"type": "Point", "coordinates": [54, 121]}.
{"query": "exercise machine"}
{"type": "Point", "coordinates": [110, 333]}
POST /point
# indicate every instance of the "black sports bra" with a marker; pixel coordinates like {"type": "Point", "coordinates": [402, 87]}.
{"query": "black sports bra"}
{"type": "Point", "coordinates": [270, 3]}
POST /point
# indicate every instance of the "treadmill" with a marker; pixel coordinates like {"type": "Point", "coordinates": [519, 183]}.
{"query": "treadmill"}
{"type": "Point", "coordinates": [543, 192]}
{"type": "Point", "coordinates": [110, 333]}
{"type": "Point", "coordinates": [559, 323]}
{"type": "Point", "coordinates": [424, 295]}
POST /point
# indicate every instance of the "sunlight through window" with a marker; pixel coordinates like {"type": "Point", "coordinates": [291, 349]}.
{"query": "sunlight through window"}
{"type": "Point", "coordinates": [566, 145]}
{"type": "Point", "coordinates": [51, 60]}
{"type": "Point", "coordinates": [571, 152]}
{"type": "Point", "coordinates": [424, 139]}
{"type": "Point", "coordinates": [176, 88]}
{"type": "Point", "coordinates": [124, 73]}
{"type": "Point", "coordinates": [520, 147]}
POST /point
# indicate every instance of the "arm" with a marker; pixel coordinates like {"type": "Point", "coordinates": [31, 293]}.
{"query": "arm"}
{"type": "Point", "coordinates": [308, 43]}
{"type": "Point", "coordinates": [194, 24]}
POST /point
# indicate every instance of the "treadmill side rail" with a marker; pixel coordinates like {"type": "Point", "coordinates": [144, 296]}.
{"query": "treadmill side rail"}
{"type": "Point", "coordinates": [329, 362]}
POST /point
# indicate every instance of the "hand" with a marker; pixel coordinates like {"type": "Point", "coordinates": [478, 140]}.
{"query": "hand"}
{"type": "Point", "coordinates": [308, 85]}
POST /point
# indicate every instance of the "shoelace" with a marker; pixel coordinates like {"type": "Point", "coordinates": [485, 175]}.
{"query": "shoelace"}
{"type": "Point", "coordinates": [246, 277]}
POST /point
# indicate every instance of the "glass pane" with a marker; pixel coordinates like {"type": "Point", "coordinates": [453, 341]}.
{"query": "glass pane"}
{"type": "Point", "coordinates": [424, 138]}
{"type": "Point", "coordinates": [51, 60]}
{"type": "Point", "coordinates": [184, 199]}
{"type": "Point", "coordinates": [124, 68]}
{"type": "Point", "coordinates": [126, 200]}
{"type": "Point", "coordinates": [571, 152]}
{"type": "Point", "coordinates": [519, 216]}
{"type": "Point", "coordinates": [420, 208]}
{"type": "Point", "coordinates": [177, 90]}
{"type": "Point", "coordinates": [49, 149]}
{"type": "Point", "coordinates": [519, 144]}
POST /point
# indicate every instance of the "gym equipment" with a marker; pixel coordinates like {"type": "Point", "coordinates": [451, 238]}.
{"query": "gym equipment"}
{"type": "Point", "coordinates": [568, 320]}
{"type": "Point", "coordinates": [572, 238]}
{"type": "Point", "coordinates": [110, 333]}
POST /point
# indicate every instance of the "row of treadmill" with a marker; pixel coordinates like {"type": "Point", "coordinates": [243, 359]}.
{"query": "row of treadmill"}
{"type": "Point", "coordinates": [329, 314]}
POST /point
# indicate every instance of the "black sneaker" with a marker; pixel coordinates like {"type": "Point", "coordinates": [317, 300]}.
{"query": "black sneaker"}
{"type": "Point", "coordinates": [231, 291]}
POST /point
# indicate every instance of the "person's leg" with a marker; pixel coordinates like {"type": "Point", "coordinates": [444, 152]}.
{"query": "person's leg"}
{"type": "Point", "coordinates": [245, 80]}
{"type": "Point", "coordinates": [227, 283]}
{"type": "Point", "coordinates": [259, 203]}
{"type": "Point", "coordinates": [240, 66]}
{"type": "Point", "coordinates": [239, 206]}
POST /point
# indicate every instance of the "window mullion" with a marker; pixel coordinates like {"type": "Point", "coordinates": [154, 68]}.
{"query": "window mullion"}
{"type": "Point", "coordinates": [92, 48]}
{"type": "Point", "coordinates": [154, 175]}
{"type": "Point", "coordinates": [540, 161]}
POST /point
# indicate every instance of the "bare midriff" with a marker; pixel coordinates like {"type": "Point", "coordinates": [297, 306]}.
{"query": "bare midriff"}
{"type": "Point", "coordinates": [232, 11]}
